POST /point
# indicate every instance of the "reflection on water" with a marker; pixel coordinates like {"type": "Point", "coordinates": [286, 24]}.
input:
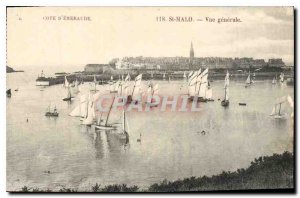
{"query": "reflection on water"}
{"type": "Point", "coordinates": [172, 146]}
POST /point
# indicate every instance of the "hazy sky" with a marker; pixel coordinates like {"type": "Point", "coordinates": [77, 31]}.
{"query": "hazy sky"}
{"type": "Point", "coordinates": [134, 31]}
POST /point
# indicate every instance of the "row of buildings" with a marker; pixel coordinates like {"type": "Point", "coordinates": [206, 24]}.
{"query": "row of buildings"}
{"type": "Point", "coordinates": [183, 63]}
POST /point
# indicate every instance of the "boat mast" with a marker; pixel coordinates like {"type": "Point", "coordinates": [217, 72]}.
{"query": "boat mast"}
{"type": "Point", "coordinates": [124, 120]}
{"type": "Point", "coordinates": [109, 111]}
{"type": "Point", "coordinates": [69, 93]}
{"type": "Point", "coordinates": [121, 87]}
{"type": "Point", "coordinates": [133, 87]}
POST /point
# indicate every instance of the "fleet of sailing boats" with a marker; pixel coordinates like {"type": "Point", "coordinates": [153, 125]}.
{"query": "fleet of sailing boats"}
{"type": "Point", "coordinates": [199, 87]}
{"type": "Point", "coordinates": [86, 109]}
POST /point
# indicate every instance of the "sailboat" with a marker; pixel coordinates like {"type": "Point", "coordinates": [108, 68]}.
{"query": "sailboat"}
{"type": "Point", "coordinates": [50, 113]}
{"type": "Point", "coordinates": [128, 78]}
{"type": "Point", "coordinates": [209, 92]}
{"type": "Point", "coordinates": [152, 90]}
{"type": "Point", "coordinates": [75, 89]}
{"type": "Point", "coordinates": [66, 83]}
{"type": "Point", "coordinates": [225, 102]}
{"type": "Point", "coordinates": [277, 111]}
{"type": "Point", "coordinates": [113, 87]}
{"type": "Point", "coordinates": [106, 126]}
{"type": "Point", "coordinates": [274, 81]}
{"type": "Point", "coordinates": [69, 95]}
{"type": "Point", "coordinates": [248, 81]}
{"type": "Point", "coordinates": [124, 135]}
{"type": "Point", "coordinates": [81, 109]}
{"type": "Point", "coordinates": [202, 86]}
{"type": "Point", "coordinates": [8, 93]}
{"type": "Point", "coordinates": [281, 77]}
{"type": "Point", "coordinates": [90, 118]}
{"type": "Point", "coordinates": [192, 83]}
{"type": "Point", "coordinates": [136, 90]}
{"type": "Point", "coordinates": [164, 76]}
{"type": "Point", "coordinates": [184, 75]}
{"type": "Point", "coordinates": [209, 95]}
{"type": "Point", "coordinates": [94, 89]}
{"type": "Point", "coordinates": [119, 88]}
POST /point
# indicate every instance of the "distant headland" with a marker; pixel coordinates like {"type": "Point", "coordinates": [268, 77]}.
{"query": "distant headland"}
{"type": "Point", "coordinates": [11, 70]}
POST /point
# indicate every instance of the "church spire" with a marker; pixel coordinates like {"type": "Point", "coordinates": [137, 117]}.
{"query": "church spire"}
{"type": "Point", "coordinates": [191, 54]}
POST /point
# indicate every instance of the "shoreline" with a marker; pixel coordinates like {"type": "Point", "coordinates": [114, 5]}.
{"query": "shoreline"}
{"type": "Point", "coordinates": [264, 173]}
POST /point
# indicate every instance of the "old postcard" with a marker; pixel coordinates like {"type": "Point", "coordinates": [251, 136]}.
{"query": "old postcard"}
{"type": "Point", "coordinates": [150, 99]}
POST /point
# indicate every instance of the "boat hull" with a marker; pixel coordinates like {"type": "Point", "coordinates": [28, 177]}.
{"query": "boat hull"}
{"type": "Point", "coordinates": [67, 99]}
{"type": "Point", "coordinates": [42, 83]}
{"type": "Point", "coordinates": [225, 103]}
{"type": "Point", "coordinates": [51, 114]}
{"type": "Point", "coordinates": [279, 117]}
{"type": "Point", "coordinates": [202, 99]}
{"type": "Point", "coordinates": [102, 127]}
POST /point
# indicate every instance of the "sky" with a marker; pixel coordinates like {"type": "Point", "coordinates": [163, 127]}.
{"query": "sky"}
{"type": "Point", "coordinates": [116, 32]}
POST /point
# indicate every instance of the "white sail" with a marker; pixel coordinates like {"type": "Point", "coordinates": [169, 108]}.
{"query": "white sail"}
{"type": "Point", "coordinates": [209, 93]}
{"type": "Point", "coordinates": [192, 84]}
{"type": "Point", "coordinates": [124, 121]}
{"type": "Point", "coordinates": [149, 90]}
{"type": "Point", "coordinates": [111, 78]}
{"type": "Point", "coordinates": [273, 111]}
{"type": "Point", "coordinates": [76, 111]}
{"type": "Point", "coordinates": [281, 100]}
{"type": "Point", "coordinates": [248, 80]}
{"type": "Point", "coordinates": [66, 84]}
{"type": "Point", "coordinates": [90, 113]}
{"type": "Point", "coordinates": [126, 86]}
{"type": "Point", "coordinates": [69, 94]}
{"type": "Point", "coordinates": [190, 75]}
{"type": "Point", "coordinates": [184, 75]}
{"type": "Point", "coordinates": [277, 110]}
{"type": "Point", "coordinates": [155, 89]}
{"type": "Point", "coordinates": [290, 101]}
{"type": "Point", "coordinates": [83, 106]}
{"type": "Point", "coordinates": [198, 80]}
{"type": "Point", "coordinates": [203, 87]}
{"type": "Point", "coordinates": [81, 109]}
{"type": "Point", "coordinates": [274, 81]}
{"type": "Point", "coordinates": [282, 77]}
{"type": "Point", "coordinates": [226, 79]}
{"type": "Point", "coordinates": [127, 78]}
{"type": "Point", "coordinates": [227, 93]}
{"type": "Point", "coordinates": [137, 87]}
{"type": "Point", "coordinates": [119, 88]}
{"type": "Point", "coordinates": [203, 84]}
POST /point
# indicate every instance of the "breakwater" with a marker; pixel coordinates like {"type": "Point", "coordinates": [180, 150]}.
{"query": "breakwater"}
{"type": "Point", "coordinates": [160, 75]}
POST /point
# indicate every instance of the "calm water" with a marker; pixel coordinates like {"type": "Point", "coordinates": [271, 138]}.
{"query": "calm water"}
{"type": "Point", "coordinates": [171, 146]}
